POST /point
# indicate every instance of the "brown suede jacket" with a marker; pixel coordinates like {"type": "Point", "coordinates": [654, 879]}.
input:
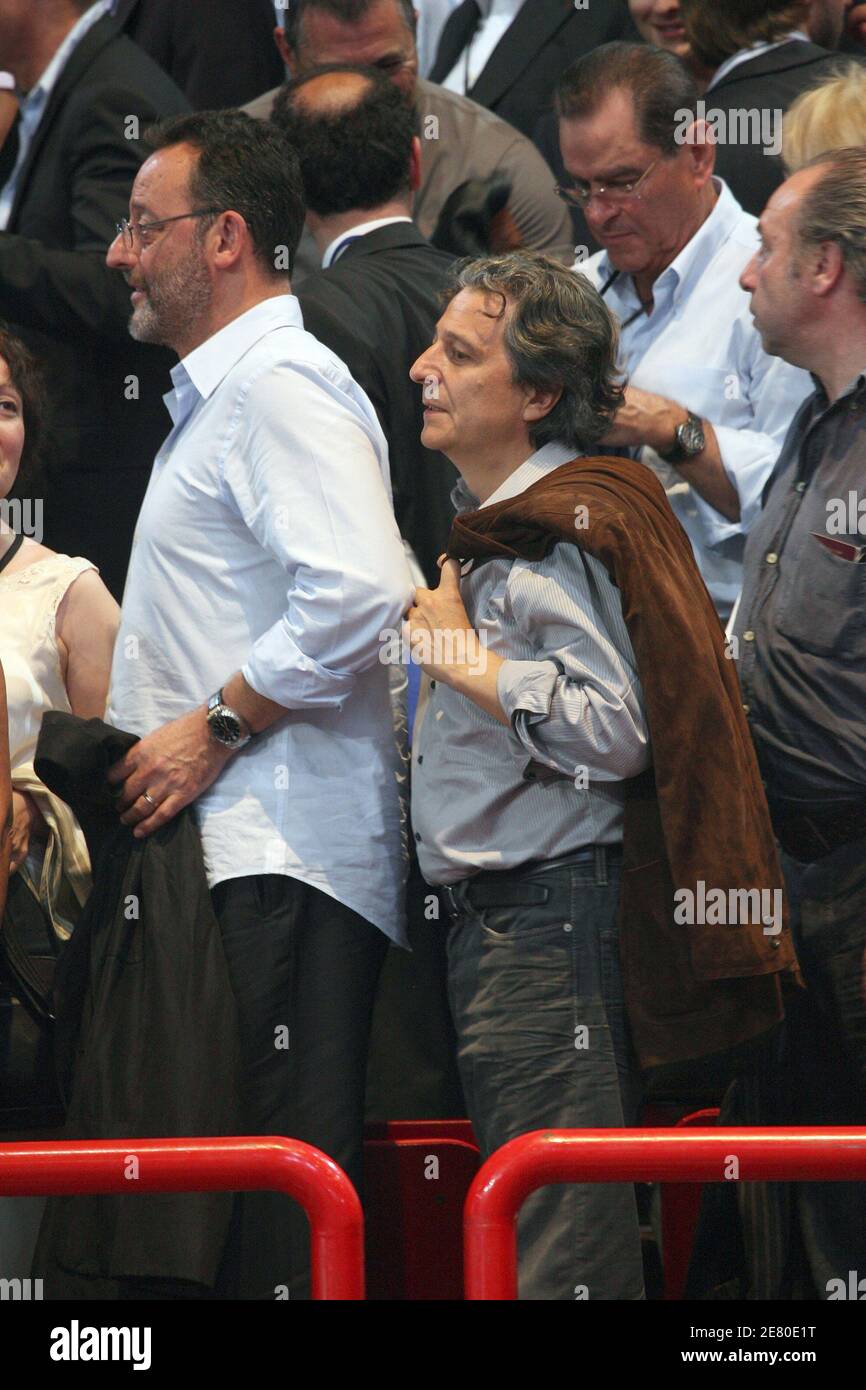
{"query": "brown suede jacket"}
{"type": "Point", "coordinates": [699, 821]}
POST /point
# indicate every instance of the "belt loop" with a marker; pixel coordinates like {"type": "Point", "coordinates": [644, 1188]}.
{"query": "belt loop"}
{"type": "Point", "coordinates": [601, 865]}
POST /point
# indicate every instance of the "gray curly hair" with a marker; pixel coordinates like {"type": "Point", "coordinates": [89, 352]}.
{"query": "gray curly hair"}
{"type": "Point", "coordinates": [559, 335]}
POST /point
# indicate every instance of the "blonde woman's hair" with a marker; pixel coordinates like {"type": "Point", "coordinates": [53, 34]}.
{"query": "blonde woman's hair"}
{"type": "Point", "coordinates": [830, 116]}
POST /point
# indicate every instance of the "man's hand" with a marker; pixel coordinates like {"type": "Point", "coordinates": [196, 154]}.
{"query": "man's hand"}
{"type": "Point", "coordinates": [173, 766]}
{"type": "Point", "coordinates": [438, 624]}
{"type": "Point", "coordinates": [27, 825]}
{"type": "Point", "coordinates": [644, 418]}
{"type": "Point", "coordinates": [445, 644]}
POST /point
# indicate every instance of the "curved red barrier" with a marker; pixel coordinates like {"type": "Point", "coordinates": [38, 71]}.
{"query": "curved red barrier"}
{"type": "Point", "coordinates": [628, 1155]}
{"type": "Point", "coordinates": [209, 1165]}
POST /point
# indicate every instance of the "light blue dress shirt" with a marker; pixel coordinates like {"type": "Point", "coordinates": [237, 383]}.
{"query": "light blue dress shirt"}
{"type": "Point", "coordinates": [489, 797]}
{"type": "Point", "coordinates": [32, 106]}
{"type": "Point", "coordinates": [267, 543]}
{"type": "Point", "coordinates": [699, 347]}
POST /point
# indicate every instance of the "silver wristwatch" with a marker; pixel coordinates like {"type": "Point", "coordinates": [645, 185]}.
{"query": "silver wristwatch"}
{"type": "Point", "coordinates": [689, 440]}
{"type": "Point", "coordinates": [226, 725]}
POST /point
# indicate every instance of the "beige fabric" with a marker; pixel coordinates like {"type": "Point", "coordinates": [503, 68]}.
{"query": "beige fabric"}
{"type": "Point", "coordinates": [29, 599]}
{"type": "Point", "coordinates": [461, 140]}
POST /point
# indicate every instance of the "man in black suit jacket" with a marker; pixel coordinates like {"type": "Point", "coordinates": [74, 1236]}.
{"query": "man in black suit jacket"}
{"type": "Point", "coordinates": [69, 188]}
{"type": "Point", "coordinates": [375, 301]}
{"type": "Point", "coordinates": [544, 37]}
{"type": "Point", "coordinates": [752, 93]}
{"type": "Point", "coordinates": [219, 52]}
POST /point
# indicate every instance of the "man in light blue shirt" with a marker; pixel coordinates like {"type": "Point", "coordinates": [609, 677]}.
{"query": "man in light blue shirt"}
{"type": "Point", "coordinates": [706, 408]}
{"type": "Point", "coordinates": [266, 564]}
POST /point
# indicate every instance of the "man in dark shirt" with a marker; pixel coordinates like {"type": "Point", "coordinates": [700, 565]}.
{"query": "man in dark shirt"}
{"type": "Point", "coordinates": [800, 638]}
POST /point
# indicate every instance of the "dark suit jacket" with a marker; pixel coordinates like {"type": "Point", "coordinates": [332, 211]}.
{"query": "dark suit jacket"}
{"type": "Point", "coordinates": [219, 52]}
{"type": "Point", "coordinates": [376, 309]}
{"type": "Point", "coordinates": [771, 82]}
{"type": "Point", "coordinates": [521, 73]}
{"type": "Point", "coordinates": [56, 291]}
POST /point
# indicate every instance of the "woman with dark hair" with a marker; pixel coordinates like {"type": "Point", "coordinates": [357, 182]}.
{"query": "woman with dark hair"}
{"type": "Point", "coordinates": [57, 628]}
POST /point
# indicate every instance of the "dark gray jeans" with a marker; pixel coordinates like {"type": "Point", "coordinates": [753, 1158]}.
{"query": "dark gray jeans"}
{"type": "Point", "coordinates": [543, 1043]}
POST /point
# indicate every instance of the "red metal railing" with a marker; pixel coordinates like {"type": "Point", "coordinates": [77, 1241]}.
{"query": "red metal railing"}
{"type": "Point", "coordinates": [209, 1165]}
{"type": "Point", "coordinates": [628, 1155]}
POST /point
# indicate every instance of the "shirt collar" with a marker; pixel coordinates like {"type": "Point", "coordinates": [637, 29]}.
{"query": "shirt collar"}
{"type": "Point", "coordinates": [43, 88]}
{"type": "Point", "coordinates": [336, 248]}
{"type": "Point", "coordinates": [687, 268]}
{"type": "Point", "coordinates": [821, 400]}
{"type": "Point", "coordinates": [545, 460]}
{"type": "Point", "coordinates": [206, 366]}
{"type": "Point", "coordinates": [745, 55]}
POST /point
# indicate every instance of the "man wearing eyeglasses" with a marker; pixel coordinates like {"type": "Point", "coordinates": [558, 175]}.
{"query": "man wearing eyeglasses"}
{"type": "Point", "coordinates": [706, 408]}
{"type": "Point", "coordinates": [266, 565]}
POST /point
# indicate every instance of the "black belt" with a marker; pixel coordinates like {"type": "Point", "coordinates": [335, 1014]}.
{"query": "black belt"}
{"type": "Point", "coordinates": [508, 887]}
{"type": "Point", "coordinates": [811, 837]}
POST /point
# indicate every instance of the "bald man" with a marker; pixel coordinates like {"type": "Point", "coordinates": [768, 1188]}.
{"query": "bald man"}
{"type": "Point", "coordinates": [375, 300]}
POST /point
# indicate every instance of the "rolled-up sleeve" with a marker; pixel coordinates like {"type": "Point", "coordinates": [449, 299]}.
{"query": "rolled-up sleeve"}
{"type": "Point", "coordinates": [775, 393]}
{"type": "Point", "coordinates": [310, 479]}
{"type": "Point", "coordinates": [577, 708]}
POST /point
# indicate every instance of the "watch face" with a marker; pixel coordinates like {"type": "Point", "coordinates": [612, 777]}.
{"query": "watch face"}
{"type": "Point", "coordinates": [691, 436]}
{"type": "Point", "coordinates": [225, 726]}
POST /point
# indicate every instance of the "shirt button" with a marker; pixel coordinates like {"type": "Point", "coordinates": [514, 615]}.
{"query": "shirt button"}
{"type": "Point", "coordinates": [566, 926]}
{"type": "Point", "coordinates": [749, 636]}
{"type": "Point", "coordinates": [801, 486]}
{"type": "Point", "coordinates": [417, 835]}
{"type": "Point", "coordinates": [420, 759]}
{"type": "Point", "coordinates": [745, 709]}
{"type": "Point", "coordinates": [771, 557]}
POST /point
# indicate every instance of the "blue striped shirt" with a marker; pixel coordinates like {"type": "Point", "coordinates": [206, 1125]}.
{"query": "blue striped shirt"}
{"type": "Point", "coordinates": [489, 797]}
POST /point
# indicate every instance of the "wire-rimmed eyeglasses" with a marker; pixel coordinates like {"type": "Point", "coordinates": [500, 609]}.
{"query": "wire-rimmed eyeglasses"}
{"type": "Point", "coordinates": [129, 232]}
{"type": "Point", "coordinates": [580, 193]}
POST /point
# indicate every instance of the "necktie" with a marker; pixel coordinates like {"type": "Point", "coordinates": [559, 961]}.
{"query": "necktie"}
{"type": "Point", "coordinates": [456, 37]}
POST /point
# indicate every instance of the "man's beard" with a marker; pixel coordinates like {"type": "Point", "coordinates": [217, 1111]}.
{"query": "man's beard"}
{"type": "Point", "coordinates": [175, 302]}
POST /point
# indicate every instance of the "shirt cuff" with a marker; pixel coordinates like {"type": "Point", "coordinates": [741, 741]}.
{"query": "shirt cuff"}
{"type": "Point", "coordinates": [7, 82]}
{"type": "Point", "coordinates": [753, 466]}
{"type": "Point", "coordinates": [527, 686]}
{"type": "Point", "coordinates": [281, 672]}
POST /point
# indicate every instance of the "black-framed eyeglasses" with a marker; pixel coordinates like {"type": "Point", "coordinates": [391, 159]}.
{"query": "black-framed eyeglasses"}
{"type": "Point", "coordinates": [578, 194]}
{"type": "Point", "coordinates": [132, 231]}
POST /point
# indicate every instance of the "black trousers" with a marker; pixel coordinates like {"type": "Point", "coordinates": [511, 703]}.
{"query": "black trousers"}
{"type": "Point", "coordinates": [304, 970]}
